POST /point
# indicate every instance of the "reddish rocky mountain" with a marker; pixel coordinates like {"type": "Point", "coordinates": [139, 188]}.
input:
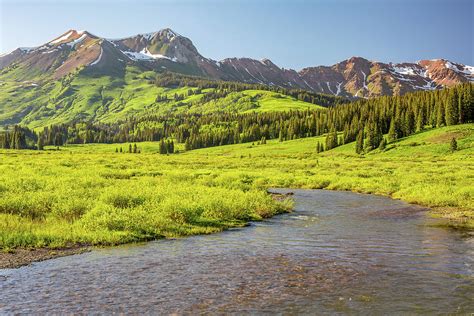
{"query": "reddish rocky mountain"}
{"type": "Point", "coordinates": [167, 50]}
{"type": "Point", "coordinates": [363, 78]}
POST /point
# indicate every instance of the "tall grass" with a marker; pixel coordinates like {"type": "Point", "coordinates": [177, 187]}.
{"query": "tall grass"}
{"type": "Point", "coordinates": [91, 195]}
{"type": "Point", "coordinates": [76, 200]}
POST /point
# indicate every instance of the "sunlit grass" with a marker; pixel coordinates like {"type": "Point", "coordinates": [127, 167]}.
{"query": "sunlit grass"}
{"type": "Point", "coordinates": [89, 194]}
{"type": "Point", "coordinates": [114, 98]}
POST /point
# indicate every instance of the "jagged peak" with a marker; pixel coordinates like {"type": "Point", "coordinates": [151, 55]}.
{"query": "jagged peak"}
{"type": "Point", "coordinates": [263, 61]}
{"type": "Point", "coordinates": [231, 59]}
{"type": "Point", "coordinates": [170, 32]}
{"type": "Point", "coordinates": [267, 62]}
{"type": "Point", "coordinates": [63, 37]}
{"type": "Point", "coordinates": [355, 59]}
{"type": "Point", "coordinates": [166, 32]}
{"type": "Point", "coordinates": [70, 35]}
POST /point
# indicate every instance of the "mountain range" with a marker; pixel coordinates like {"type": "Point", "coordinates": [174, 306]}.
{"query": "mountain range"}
{"type": "Point", "coordinates": [166, 50]}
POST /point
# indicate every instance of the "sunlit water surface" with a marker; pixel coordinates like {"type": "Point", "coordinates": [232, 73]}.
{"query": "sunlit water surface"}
{"type": "Point", "coordinates": [338, 252]}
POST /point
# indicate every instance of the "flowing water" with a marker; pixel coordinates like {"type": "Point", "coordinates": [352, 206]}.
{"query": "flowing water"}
{"type": "Point", "coordinates": [338, 252]}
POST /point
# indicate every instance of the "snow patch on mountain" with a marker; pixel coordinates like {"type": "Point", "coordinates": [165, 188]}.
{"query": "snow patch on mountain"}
{"type": "Point", "coordinates": [144, 54]}
{"type": "Point", "coordinates": [136, 56]}
{"type": "Point", "coordinates": [329, 87]}
{"type": "Point", "coordinates": [338, 86]}
{"type": "Point", "coordinates": [365, 80]}
{"type": "Point", "coordinates": [27, 49]}
{"type": "Point", "coordinates": [49, 51]}
{"type": "Point", "coordinates": [148, 36]}
{"type": "Point", "coordinates": [467, 70]}
{"type": "Point", "coordinates": [430, 85]}
{"type": "Point", "coordinates": [170, 35]}
{"type": "Point", "coordinates": [405, 79]}
{"type": "Point", "coordinates": [98, 59]}
{"type": "Point", "coordinates": [62, 38]}
{"type": "Point", "coordinates": [77, 41]}
{"type": "Point", "coordinates": [308, 85]}
{"type": "Point", "coordinates": [405, 70]}
{"type": "Point", "coordinates": [449, 65]}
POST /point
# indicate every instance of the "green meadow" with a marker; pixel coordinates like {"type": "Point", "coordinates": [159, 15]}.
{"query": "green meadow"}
{"type": "Point", "coordinates": [109, 99]}
{"type": "Point", "coordinates": [91, 195]}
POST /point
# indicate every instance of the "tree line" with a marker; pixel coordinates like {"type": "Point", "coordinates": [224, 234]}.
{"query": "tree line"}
{"type": "Point", "coordinates": [222, 88]}
{"type": "Point", "coordinates": [364, 121]}
{"type": "Point", "coordinates": [18, 138]}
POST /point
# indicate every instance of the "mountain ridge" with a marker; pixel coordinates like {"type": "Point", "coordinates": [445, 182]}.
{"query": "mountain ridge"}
{"type": "Point", "coordinates": [167, 50]}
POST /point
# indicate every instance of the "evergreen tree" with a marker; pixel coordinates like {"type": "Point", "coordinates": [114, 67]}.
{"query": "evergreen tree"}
{"type": "Point", "coordinates": [163, 148]}
{"type": "Point", "coordinates": [373, 134]}
{"type": "Point", "coordinates": [454, 144]}
{"type": "Point", "coordinates": [383, 144]}
{"type": "Point", "coordinates": [392, 133]}
{"type": "Point", "coordinates": [452, 106]}
{"type": "Point", "coordinates": [410, 123]}
{"type": "Point", "coordinates": [360, 142]}
{"type": "Point", "coordinates": [187, 145]}
{"type": "Point", "coordinates": [419, 121]}
{"type": "Point", "coordinates": [169, 147]}
{"type": "Point", "coordinates": [331, 139]}
{"type": "Point", "coordinates": [400, 116]}
{"type": "Point", "coordinates": [440, 114]}
{"type": "Point", "coordinates": [40, 143]}
{"type": "Point", "coordinates": [5, 141]}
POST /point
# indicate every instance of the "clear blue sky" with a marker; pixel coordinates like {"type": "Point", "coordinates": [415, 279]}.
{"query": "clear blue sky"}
{"type": "Point", "coordinates": [293, 34]}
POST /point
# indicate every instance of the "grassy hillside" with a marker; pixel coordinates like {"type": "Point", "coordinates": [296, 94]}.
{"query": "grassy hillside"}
{"type": "Point", "coordinates": [89, 194]}
{"type": "Point", "coordinates": [85, 97]}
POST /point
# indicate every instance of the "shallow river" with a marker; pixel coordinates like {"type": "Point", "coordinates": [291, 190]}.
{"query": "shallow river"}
{"type": "Point", "coordinates": [337, 253]}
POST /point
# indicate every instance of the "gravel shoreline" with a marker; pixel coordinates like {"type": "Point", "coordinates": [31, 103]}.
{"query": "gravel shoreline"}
{"type": "Point", "coordinates": [21, 257]}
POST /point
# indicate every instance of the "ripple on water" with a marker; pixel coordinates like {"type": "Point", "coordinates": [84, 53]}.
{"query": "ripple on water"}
{"type": "Point", "coordinates": [338, 252]}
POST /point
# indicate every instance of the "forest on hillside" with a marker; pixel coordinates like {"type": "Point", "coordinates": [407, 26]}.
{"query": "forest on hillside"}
{"type": "Point", "coordinates": [363, 120]}
{"type": "Point", "coordinates": [223, 88]}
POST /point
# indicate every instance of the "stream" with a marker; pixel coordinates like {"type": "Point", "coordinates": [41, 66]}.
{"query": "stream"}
{"type": "Point", "coordinates": [338, 252]}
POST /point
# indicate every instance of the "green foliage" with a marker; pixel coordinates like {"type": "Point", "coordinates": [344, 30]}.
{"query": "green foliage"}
{"type": "Point", "coordinates": [331, 139]}
{"type": "Point", "coordinates": [84, 97]}
{"type": "Point", "coordinates": [383, 144]}
{"type": "Point", "coordinates": [360, 142]}
{"type": "Point", "coordinates": [397, 116]}
{"type": "Point", "coordinates": [453, 144]}
{"type": "Point", "coordinates": [79, 199]}
{"type": "Point", "coordinates": [18, 138]}
{"type": "Point", "coordinates": [88, 194]}
{"type": "Point", "coordinates": [223, 88]}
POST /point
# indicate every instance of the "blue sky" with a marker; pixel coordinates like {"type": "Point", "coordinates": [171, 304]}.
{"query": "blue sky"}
{"type": "Point", "coordinates": [293, 34]}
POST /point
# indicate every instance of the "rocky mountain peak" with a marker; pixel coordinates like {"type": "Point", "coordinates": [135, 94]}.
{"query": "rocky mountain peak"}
{"type": "Point", "coordinates": [167, 50]}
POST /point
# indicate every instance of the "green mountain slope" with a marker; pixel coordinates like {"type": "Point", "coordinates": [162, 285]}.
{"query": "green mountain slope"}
{"type": "Point", "coordinates": [82, 96]}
